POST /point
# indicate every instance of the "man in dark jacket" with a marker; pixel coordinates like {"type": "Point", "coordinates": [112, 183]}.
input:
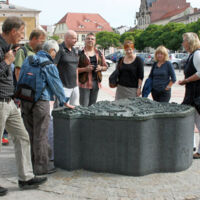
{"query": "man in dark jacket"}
{"type": "Point", "coordinates": [10, 118]}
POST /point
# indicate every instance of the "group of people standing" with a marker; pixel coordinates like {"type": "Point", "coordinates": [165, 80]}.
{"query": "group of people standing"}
{"type": "Point", "coordinates": [75, 78]}
{"type": "Point", "coordinates": [131, 73]}
{"type": "Point", "coordinates": [73, 73]}
{"type": "Point", "coordinates": [80, 72]}
{"type": "Point", "coordinates": [162, 76]}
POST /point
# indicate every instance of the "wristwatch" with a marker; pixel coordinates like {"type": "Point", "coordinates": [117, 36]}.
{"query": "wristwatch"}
{"type": "Point", "coordinates": [139, 86]}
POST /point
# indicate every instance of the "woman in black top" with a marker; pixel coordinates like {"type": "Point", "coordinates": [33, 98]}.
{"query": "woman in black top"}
{"type": "Point", "coordinates": [131, 73]}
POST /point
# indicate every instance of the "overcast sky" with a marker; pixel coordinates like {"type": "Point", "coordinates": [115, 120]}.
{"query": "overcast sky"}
{"type": "Point", "coordinates": [116, 12]}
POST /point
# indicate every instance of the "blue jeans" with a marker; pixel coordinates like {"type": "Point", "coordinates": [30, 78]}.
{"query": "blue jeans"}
{"type": "Point", "coordinates": [161, 96]}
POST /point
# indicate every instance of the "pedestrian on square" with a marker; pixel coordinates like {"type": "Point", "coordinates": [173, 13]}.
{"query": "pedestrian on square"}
{"type": "Point", "coordinates": [91, 64]}
{"type": "Point", "coordinates": [131, 73]}
{"type": "Point", "coordinates": [162, 75]}
{"type": "Point", "coordinates": [36, 115]}
{"type": "Point", "coordinates": [36, 40]}
{"type": "Point", "coordinates": [67, 63]}
{"type": "Point", "coordinates": [10, 117]}
{"type": "Point", "coordinates": [191, 44]}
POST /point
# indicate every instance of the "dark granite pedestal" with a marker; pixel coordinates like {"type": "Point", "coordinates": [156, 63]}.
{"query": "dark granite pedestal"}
{"type": "Point", "coordinates": [132, 137]}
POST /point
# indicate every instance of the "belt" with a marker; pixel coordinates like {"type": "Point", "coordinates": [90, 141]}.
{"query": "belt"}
{"type": "Point", "coordinates": [7, 100]}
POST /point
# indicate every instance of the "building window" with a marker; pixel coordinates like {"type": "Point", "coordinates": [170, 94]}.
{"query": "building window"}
{"type": "Point", "coordinates": [86, 20]}
{"type": "Point", "coordinates": [81, 26]}
{"type": "Point", "coordinates": [99, 27]}
{"type": "Point", "coordinates": [83, 37]}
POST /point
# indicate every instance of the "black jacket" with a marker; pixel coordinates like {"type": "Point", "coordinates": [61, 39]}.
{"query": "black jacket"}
{"type": "Point", "coordinates": [6, 75]}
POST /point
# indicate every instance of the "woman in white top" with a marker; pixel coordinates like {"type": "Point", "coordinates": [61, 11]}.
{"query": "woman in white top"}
{"type": "Point", "coordinates": [191, 43]}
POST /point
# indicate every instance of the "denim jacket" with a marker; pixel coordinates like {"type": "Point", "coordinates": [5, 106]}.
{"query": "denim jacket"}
{"type": "Point", "coordinates": [53, 83]}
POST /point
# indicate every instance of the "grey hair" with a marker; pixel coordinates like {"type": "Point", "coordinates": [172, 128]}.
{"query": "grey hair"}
{"type": "Point", "coordinates": [50, 44]}
{"type": "Point", "coordinates": [11, 23]}
{"type": "Point", "coordinates": [193, 41]}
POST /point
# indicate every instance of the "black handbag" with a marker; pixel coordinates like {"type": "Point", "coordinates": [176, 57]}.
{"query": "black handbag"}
{"type": "Point", "coordinates": [114, 77]}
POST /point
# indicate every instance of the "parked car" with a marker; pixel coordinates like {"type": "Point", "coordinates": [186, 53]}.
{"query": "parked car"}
{"type": "Point", "coordinates": [109, 56]}
{"type": "Point", "coordinates": [184, 60]}
{"type": "Point", "coordinates": [149, 60]}
{"type": "Point", "coordinates": [115, 56]}
{"type": "Point", "coordinates": [142, 55]}
{"type": "Point", "coordinates": [175, 59]}
{"type": "Point", "coordinates": [109, 62]}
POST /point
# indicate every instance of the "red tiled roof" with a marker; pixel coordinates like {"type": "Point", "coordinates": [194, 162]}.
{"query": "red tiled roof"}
{"type": "Point", "coordinates": [85, 22]}
{"type": "Point", "coordinates": [172, 13]}
{"type": "Point", "coordinates": [160, 8]}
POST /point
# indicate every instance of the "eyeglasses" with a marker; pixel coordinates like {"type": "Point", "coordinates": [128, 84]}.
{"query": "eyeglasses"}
{"type": "Point", "coordinates": [90, 38]}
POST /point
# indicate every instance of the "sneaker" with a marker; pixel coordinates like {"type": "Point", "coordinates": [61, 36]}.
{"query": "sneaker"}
{"type": "Point", "coordinates": [5, 141]}
{"type": "Point", "coordinates": [196, 156]}
{"type": "Point", "coordinates": [32, 183]}
{"type": "Point", "coordinates": [3, 191]}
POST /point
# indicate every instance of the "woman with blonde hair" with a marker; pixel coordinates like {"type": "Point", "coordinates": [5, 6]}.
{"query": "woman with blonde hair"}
{"type": "Point", "coordinates": [131, 73]}
{"type": "Point", "coordinates": [191, 43]}
{"type": "Point", "coordinates": [162, 75]}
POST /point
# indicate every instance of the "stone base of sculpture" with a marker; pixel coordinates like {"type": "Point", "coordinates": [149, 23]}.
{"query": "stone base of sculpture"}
{"type": "Point", "coordinates": [131, 137]}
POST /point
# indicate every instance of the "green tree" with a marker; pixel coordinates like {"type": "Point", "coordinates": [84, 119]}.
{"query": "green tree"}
{"type": "Point", "coordinates": [172, 35]}
{"type": "Point", "coordinates": [127, 36]}
{"type": "Point", "coordinates": [55, 37]}
{"type": "Point", "coordinates": [193, 27]}
{"type": "Point", "coordinates": [107, 39]}
{"type": "Point", "coordinates": [147, 37]}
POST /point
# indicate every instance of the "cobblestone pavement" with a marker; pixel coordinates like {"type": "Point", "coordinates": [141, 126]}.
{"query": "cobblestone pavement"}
{"type": "Point", "coordinates": [82, 185]}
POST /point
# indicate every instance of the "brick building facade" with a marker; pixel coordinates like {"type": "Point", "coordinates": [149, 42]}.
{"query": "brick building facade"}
{"type": "Point", "coordinates": [162, 12]}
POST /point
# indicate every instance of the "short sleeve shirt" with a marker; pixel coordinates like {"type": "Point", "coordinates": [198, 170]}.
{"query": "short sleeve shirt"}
{"type": "Point", "coordinates": [67, 63]}
{"type": "Point", "coordinates": [20, 57]}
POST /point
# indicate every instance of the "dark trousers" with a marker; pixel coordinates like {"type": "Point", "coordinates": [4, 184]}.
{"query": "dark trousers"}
{"type": "Point", "coordinates": [161, 96]}
{"type": "Point", "coordinates": [89, 96]}
{"type": "Point", "coordinates": [36, 121]}
{"type": "Point", "coordinates": [5, 134]}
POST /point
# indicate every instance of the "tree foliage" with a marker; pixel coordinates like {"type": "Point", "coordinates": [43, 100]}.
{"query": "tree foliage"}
{"type": "Point", "coordinates": [169, 35]}
{"type": "Point", "coordinates": [55, 37]}
{"type": "Point", "coordinates": [107, 39]}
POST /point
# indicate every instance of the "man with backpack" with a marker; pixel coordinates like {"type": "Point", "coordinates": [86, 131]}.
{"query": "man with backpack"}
{"type": "Point", "coordinates": [10, 118]}
{"type": "Point", "coordinates": [38, 83]}
{"type": "Point", "coordinates": [36, 40]}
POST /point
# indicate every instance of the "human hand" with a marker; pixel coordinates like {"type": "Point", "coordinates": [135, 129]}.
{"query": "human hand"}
{"type": "Point", "coordinates": [98, 68]}
{"type": "Point", "coordinates": [69, 106]}
{"type": "Point", "coordinates": [9, 57]}
{"type": "Point", "coordinates": [89, 68]}
{"type": "Point", "coordinates": [168, 88]}
{"type": "Point", "coordinates": [182, 82]}
{"type": "Point", "coordinates": [139, 92]}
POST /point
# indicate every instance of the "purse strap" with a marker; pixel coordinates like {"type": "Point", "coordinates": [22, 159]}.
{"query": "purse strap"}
{"type": "Point", "coordinates": [120, 63]}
